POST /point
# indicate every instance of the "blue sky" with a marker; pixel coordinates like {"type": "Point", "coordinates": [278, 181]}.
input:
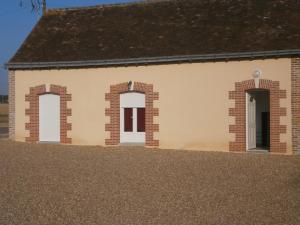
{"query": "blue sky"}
{"type": "Point", "coordinates": [16, 23]}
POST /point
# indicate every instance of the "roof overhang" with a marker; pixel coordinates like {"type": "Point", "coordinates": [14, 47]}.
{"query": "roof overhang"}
{"type": "Point", "coordinates": [155, 60]}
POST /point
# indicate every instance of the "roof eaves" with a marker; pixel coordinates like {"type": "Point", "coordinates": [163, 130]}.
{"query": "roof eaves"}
{"type": "Point", "coordinates": [155, 60]}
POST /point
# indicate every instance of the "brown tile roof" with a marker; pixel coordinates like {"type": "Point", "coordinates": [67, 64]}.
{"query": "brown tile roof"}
{"type": "Point", "coordinates": [163, 28]}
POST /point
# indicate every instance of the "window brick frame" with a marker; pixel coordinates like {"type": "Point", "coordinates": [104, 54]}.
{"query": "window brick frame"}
{"type": "Point", "coordinates": [114, 112]}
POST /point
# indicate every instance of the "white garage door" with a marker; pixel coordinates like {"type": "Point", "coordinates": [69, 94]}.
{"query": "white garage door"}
{"type": "Point", "coordinates": [49, 118]}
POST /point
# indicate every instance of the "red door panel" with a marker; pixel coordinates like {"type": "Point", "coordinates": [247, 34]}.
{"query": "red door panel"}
{"type": "Point", "coordinates": [141, 116]}
{"type": "Point", "coordinates": [128, 113]}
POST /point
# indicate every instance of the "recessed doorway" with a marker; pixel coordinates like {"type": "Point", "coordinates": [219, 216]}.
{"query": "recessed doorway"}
{"type": "Point", "coordinates": [258, 120]}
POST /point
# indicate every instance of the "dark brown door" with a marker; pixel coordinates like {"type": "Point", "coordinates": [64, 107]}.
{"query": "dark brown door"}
{"type": "Point", "coordinates": [265, 129]}
{"type": "Point", "coordinates": [128, 113]}
{"type": "Point", "coordinates": [141, 119]}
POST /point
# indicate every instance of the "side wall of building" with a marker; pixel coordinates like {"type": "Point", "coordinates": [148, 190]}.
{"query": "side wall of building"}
{"type": "Point", "coordinates": [193, 102]}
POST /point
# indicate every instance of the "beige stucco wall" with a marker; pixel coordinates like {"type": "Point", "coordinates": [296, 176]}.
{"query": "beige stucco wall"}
{"type": "Point", "coordinates": [193, 100]}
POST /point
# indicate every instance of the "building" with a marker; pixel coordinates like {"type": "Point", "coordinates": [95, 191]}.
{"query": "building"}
{"type": "Point", "coordinates": [177, 74]}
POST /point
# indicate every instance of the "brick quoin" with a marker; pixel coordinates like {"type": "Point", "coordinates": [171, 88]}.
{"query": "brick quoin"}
{"type": "Point", "coordinates": [11, 103]}
{"type": "Point", "coordinates": [296, 104]}
{"type": "Point", "coordinates": [114, 112]}
{"type": "Point", "coordinates": [33, 112]}
{"type": "Point", "coordinates": [239, 112]}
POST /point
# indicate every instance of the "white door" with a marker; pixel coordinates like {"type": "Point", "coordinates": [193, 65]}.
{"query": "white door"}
{"type": "Point", "coordinates": [49, 118]}
{"type": "Point", "coordinates": [132, 118]}
{"type": "Point", "coordinates": [251, 121]}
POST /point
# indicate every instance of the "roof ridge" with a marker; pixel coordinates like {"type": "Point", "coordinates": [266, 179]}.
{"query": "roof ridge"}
{"type": "Point", "coordinates": [158, 28]}
{"type": "Point", "coordinates": [121, 4]}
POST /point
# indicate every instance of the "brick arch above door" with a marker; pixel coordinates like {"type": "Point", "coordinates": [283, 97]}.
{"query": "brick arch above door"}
{"type": "Point", "coordinates": [33, 112]}
{"type": "Point", "coordinates": [239, 112]}
{"type": "Point", "coordinates": [114, 112]}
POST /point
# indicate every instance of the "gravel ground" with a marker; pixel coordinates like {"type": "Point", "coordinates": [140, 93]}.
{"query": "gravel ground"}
{"type": "Point", "coordinates": [52, 184]}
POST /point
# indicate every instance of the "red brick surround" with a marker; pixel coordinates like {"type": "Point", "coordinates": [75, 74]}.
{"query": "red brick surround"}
{"type": "Point", "coordinates": [239, 112]}
{"type": "Point", "coordinates": [33, 112]}
{"type": "Point", "coordinates": [296, 104]}
{"type": "Point", "coordinates": [114, 112]}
